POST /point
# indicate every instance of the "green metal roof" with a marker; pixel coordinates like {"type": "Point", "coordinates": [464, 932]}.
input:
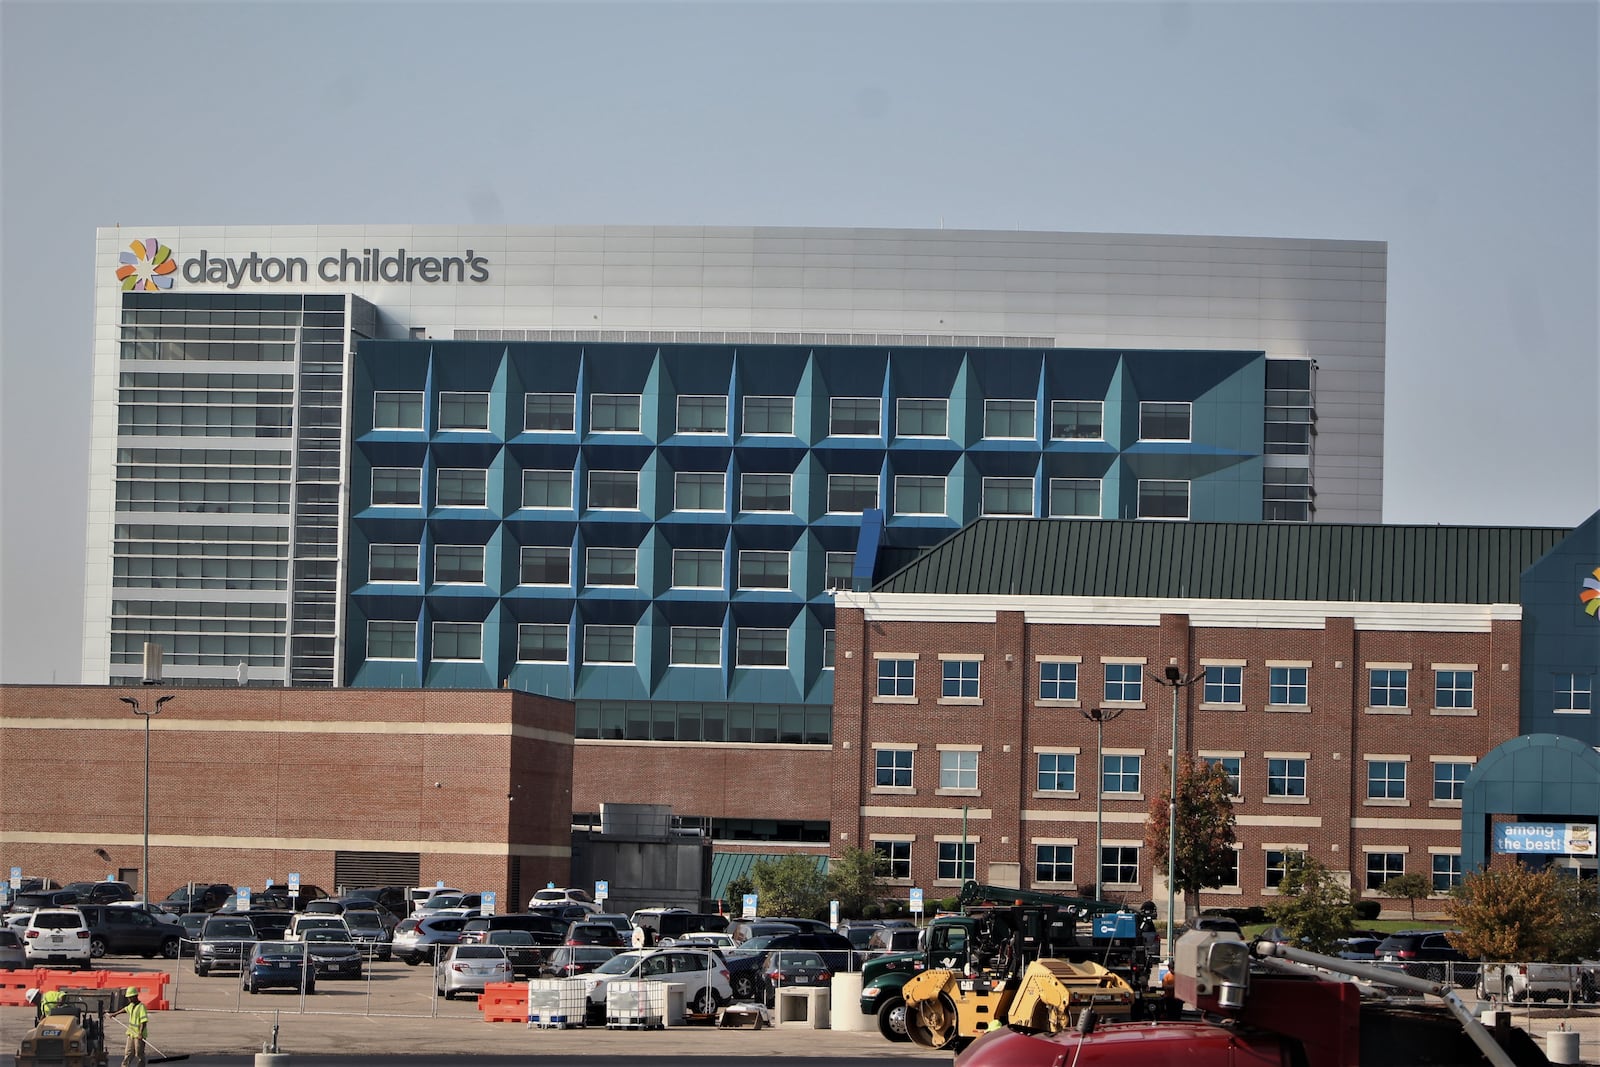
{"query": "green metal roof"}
{"type": "Point", "coordinates": [1229, 561]}
{"type": "Point", "coordinates": [726, 866]}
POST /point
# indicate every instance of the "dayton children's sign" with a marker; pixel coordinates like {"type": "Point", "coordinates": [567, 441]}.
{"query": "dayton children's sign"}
{"type": "Point", "coordinates": [150, 265]}
{"type": "Point", "coordinates": [1550, 838]}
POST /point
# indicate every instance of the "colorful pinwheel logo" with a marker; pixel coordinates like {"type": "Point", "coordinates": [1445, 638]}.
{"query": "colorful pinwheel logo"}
{"type": "Point", "coordinates": [148, 265]}
{"type": "Point", "coordinates": [1590, 594]}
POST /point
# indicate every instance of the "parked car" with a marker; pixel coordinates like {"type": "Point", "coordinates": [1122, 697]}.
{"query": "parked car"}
{"type": "Point", "coordinates": [270, 924]}
{"type": "Point", "coordinates": [571, 961]}
{"type": "Point", "coordinates": [193, 922]}
{"type": "Point", "coordinates": [333, 953]}
{"type": "Point", "coordinates": [197, 896]}
{"type": "Point", "coordinates": [149, 909]}
{"type": "Point", "coordinates": [27, 903]}
{"type": "Point", "coordinates": [672, 923]}
{"type": "Point", "coordinates": [1361, 949]}
{"type": "Point", "coordinates": [375, 912]}
{"type": "Point", "coordinates": [128, 931]}
{"type": "Point", "coordinates": [417, 939]}
{"type": "Point", "coordinates": [13, 956]}
{"type": "Point", "coordinates": [277, 897]}
{"type": "Point", "coordinates": [277, 965]}
{"type": "Point", "coordinates": [835, 948]}
{"type": "Point", "coordinates": [101, 892]}
{"type": "Point", "coordinates": [893, 939]}
{"type": "Point", "coordinates": [742, 930]}
{"type": "Point", "coordinates": [391, 898]}
{"type": "Point", "coordinates": [1520, 982]}
{"type": "Point", "coordinates": [527, 958]}
{"type": "Point", "coordinates": [790, 967]}
{"type": "Point", "coordinates": [552, 895]}
{"type": "Point", "coordinates": [303, 922]}
{"type": "Point", "coordinates": [468, 968]}
{"type": "Point", "coordinates": [1428, 954]}
{"type": "Point", "coordinates": [323, 906]}
{"type": "Point", "coordinates": [859, 933]}
{"type": "Point", "coordinates": [466, 904]}
{"type": "Point", "coordinates": [223, 941]}
{"type": "Point", "coordinates": [369, 931]}
{"type": "Point", "coordinates": [563, 914]}
{"type": "Point", "coordinates": [545, 929]}
{"type": "Point", "coordinates": [589, 933]}
{"type": "Point", "coordinates": [420, 895]}
{"type": "Point", "coordinates": [705, 939]}
{"type": "Point", "coordinates": [56, 935]}
{"type": "Point", "coordinates": [702, 972]}
{"type": "Point", "coordinates": [623, 926]}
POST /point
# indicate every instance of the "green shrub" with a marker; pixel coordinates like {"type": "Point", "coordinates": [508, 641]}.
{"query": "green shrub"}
{"type": "Point", "coordinates": [1367, 910]}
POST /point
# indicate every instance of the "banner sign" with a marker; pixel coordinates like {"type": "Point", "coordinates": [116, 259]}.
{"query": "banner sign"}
{"type": "Point", "coordinates": [1549, 838]}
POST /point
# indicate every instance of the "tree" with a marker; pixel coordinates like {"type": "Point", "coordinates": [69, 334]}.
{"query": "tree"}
{"type": "Point", "coordinates": [1312, 907]}
{"type": "Point", "coordinates": [1409, 887]}
{"type": "Point", "coordinates": [1205, 855]}
{"type": "Point", "coordinates": [791, 885]}
{"type": "Point", "coordinates": [735, 890]}
{"type": "Point", "coordinates": [853, 879]}
{"type": "Point", "coordinates": [1510, 913]}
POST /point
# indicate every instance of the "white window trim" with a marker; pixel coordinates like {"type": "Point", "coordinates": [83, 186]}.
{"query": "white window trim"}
{"type": "Point", "coordinates": [897, 790]}
{"type": "Point", "coordinates": [760, 666]}
{"type": "Point", "coordinates": [1100, 487]}
{"type": "Point", "coordinates": [416, 554]}
{"type": "Point", "coordinates": [1055, 794]}
{"type": "Point", "coordinates": [1268, 798]}
{"type": "Point", "coordinates": [487, 401]}
{"type": "Point", "coordinates": [435, 642]}
{"type": "Point", "coordinates": [721, 564]}
{"type": "Point", "coordinates": [396, 392]}
{"type": "Point", "coordinates": [1206, 705]}
{"type": "Point", "coordinates": [1188, 501]}
{"type": "Point", "coordinates": [592, 506]}
{"type": "Point", "coordinates": [566, 657]}
{"type": "Point", "coordinates": [743, 420]}
{"type": "Point", "coordinates": [372, 487]}
{"type": "Point", "coordinates": [722, 475]}
{"type": "Point", "coordinates": [536, 392]}
{"type": "Point", "coordinates": [1033, 491]}
{"type": "Point", "coordinates": [1033, 407]}
{"type": "Point", "coordinates": [1236, 890]}
{"type": "Point", "coordinates": [877, 492]}
{"type": "Point", "coordinates": [766, 511]}
{"type": "Point", "coordinates": [587, 584]}
{"type": "Point", "coordinates": [442, 471]}
{"type": "Point", "coordinates": [858, 436]}
{"type": "Point", "coordinates": [394, 659]}
{"type": "Point", "coordinates": [944, 492]}
{"type": "Point", "coordinates": [544, 585]}
{"type": "Point", "coordinates": [634, 655]}
{"type": "Point", "coordinates": [677, 415]}
{"type": "Point", "coordinates": [922, 436]}
{"type": "Point", "coordinates": [1071, 400]}
{"type": "Point", "coordinates": [571, 494]}
{"type": "Point", "coordinates": [1167, 440]}
{"type": "Point", "coordinates": [694, 666]}
{"type": "Point", "coordinates": [788, 585]}
{"type": "Point", "coordinates": [482, 565]}
{"type": "Point", "coordinates": [596, 396]}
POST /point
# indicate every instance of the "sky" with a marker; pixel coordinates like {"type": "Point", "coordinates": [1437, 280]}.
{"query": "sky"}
{"type": "Point", "coordinates": [1463, 134]}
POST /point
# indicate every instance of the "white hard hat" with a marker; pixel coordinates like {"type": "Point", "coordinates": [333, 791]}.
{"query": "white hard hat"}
{"type": "Point", "coordinates": [32, 996]}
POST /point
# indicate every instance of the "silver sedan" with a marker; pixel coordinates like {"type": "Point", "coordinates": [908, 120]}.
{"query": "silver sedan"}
{"type": "Point", "coordinates": [468, 968]}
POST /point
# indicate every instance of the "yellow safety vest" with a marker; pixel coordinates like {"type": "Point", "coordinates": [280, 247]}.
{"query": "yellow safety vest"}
{"type": "Point", "coordinates": [50, 1001]}
{"type": "Point", "coordinates": [138, 1018]}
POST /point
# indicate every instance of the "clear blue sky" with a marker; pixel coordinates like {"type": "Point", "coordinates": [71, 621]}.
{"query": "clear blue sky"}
{"type": "Point", "coordinates": [1463, 134]}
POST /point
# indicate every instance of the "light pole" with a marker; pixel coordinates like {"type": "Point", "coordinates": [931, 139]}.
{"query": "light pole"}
{"type": "Point", "coordinates": [1099, 716]}
{"type": "Point", "coordinates": [1173, 677]}
{"type": "Point", "coordinates": [144, 872]}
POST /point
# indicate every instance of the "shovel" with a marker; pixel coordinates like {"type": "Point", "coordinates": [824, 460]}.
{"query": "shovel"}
{"type": "Point", "coordinates": [159, 1057]}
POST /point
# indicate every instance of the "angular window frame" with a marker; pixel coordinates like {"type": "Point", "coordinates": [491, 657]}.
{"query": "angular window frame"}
{"type": "Point", "coordinates": [461, 487]}
{"type": "Point", "coordinates": [768, 411]}
{"type": "Point", "coordinates": [758, 488]}
{"type": "Point", "coordinates": [533, 478]}
{"type": "Point", "coordinates": [453, 564]}
{"type": "Point", "coordinates": [1065, 414]}
{"type": "Point", "coordinates": [851, 416]}
{"type": "Point", "coordinates": [696, 487]}
{"type": "Point", "coordinates": [1156, 497]}
{"type": "Point", "coordinates": [397, 476]}
{"type": "Point", "coordinates": [620, 413]}
{"type": "Point", "coordinates": [391, 629]}
{"type": "Point", "coordinates": [845, 491]}
{"type": "Point", "coordinates": [387, 557]}
{"type": "Point", "coordinates": [528, 630]}
{"type": "Point", "coordinates": [530, 556]}
{"type": "Point", "coordinates": [550, 412]}
{"type": "Point", "coordinates": [1002, 497]}
{"type": "Point", "coordinates": [1004, 417]}
{"type": "Point", "coordinates": [761, 647]}
{"type": "Point", "coordinates": [402, 403]}
{"type": "Point", "coordinates": [695, 646]}
{"type": "Point", "coordinates": [701, 558]}
{"type": "Point", "coordinates": [762, 563]}
{"type": "Point", "coordinates": [609, 562]}
{"type": "Point", "coordinates": [707, 414]}
{"type": "Point", "coordinates": [1075, 489]}
{"type": "Point", "coordinates": [457, 638]}
{"type": "Point", "coordinates": [1161, 420]}
{"type": "Point", "coordinates": [928, 417]}
{"type": "Point", "coordinates": [616, 484]}
{"type": "Point", "coordinates": [463, 411]}
{"type": "Point", "coordinates": [604, 639]}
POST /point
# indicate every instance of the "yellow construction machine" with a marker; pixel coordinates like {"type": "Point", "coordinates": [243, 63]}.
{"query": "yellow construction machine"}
{"type": "Point", "coordinates": [74, 1033]}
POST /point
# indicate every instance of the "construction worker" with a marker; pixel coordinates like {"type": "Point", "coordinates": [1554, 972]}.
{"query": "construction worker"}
{"type": "Point", "coordinates": [49, 1001]}
{"type": "Point", "coordinates": [138, 1023]}
{"type": "Point", "coordinates": [31, 998]}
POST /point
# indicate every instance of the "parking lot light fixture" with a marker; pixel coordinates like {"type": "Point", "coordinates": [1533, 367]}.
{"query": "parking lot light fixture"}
{"type": "Point", "coordinates": [144, 872]}
{"type": "Point", "coordinates": [1173, 676]}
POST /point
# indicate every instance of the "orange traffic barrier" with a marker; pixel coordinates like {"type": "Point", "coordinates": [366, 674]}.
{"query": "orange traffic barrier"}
{"type": "Point", "coordinates": [504, 1002]}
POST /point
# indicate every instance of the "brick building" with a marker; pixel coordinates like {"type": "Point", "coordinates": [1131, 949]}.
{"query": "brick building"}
{"type": "Point", "coordinates": [341, 787]}
{"type": "Point", "coordinates": [1349, 678]}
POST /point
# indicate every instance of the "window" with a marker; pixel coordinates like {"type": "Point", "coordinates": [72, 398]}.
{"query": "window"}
{"type": "Point", "coordinates": [460, 488]}
{"type": "Point", "coordinates": [391, 640]}
{"type": "Point", "coordinates": [547, 489]}
{"type": "Point", "coordinates": [1386, 779]}
{"type": "Point", "coordinates": [766, 492]}
{"type": "Point", "coordinates": [1574, 694]}
{"type": "Point", "coordinates": [1058, 681]}
{"type": "Point", "coordinates": [1124, 682]}
{"type": "Point", "coordinates": [827, 650]}
{"type": "Point", "coordinates": [1008, 419]}
{"type": "Point", "coordinates": [1446, 872]}
{"type": "Point", "coordinates": [1278, 861]}
{"type": "Point", "coordinates": [916, 494]}
{"type": "Point", "coordinates": [960, 679]}
{"type": "Point", "coordinates": [1077, 420]}
{"type": "Point", "coordinates": [699, 491]}
{"type": "Point", "coordinates": [1162, 421]}
{"type": "Point", "coordinates": [1382, 866]}
{"type": "Point", "coordinates": [458, 565]}
{"type": "Point", "coordinates": [1075, 498]}
{"type": "Point", "coordinates": [702, 414]}
{"type": "Point", "coordinates": [611, 566]}
{"type": "Point", "coordinates": [396, 486]}
{"type": "Point", "coordinates": [697, 568]}
{"type": "Point", "coordinates": [1119, 865]}
{"type": "Point", "coordinates": [607, 644]}
{"type": "Point", "coordinates": [922, 418]}
{"type": "Point", "coordinates": [392, 563]}
{"type": "Point", "coordinates": [546, 565]}
{"type": "Point", "coordinates": [1286, 687]}
{"type": "Point", "coordinates": [393, 410]}
{"type": "Point", "coordinates": [893, 768]}
{"type": "Point", "coordinates": [1008, 496]}
{"type": "Point", "coordinates": [1386, 687]}
{"type": "Point", "coordinates": [1120, 774]}
{"type": "Point", "coordinates": [769, 415]}
{"type": "Point", "coordinates": [463, 411]}
{"type": "Point", "coordinates": [1230, 876]}
{"type": "Point", "coordinates": [1452, 689]}
{"type": "Point", "coordinates": [852, 493]}
{"type": "Point", "coordinates": [696, 646]}
{"type": "Point", "coordinates": [1449, 780]}
{"type": "Point", "coordinates": [614, 490]}
{"type": "Point", "coordinates": [1160, 499]}
{"type": "Point", "coordinates": [1224, 685]}
{"type": "Point", "coordinates": [896, 856]}
{"type": "Point", "coordinates": [1232, 766]}
{"type": "Point", "coordinates": [957, 862]}
{"type": "Point", "coordinates": [1286, 777]}
{"type": "Point", "coordinates": [854, 416]}
{"type": "Point", "coordinates": [1052, 863]}
{"type": "Point", "coordinates": [897, 677]}
{"type": "Point", "coordinates": [1286, 494]}
{"type": "Point", "coordinates": [839, 570]}
{"type": "Point", "coordinates": [762, 647]}
{"type": "Point", "coordinates": [614, 413]}
{"type": "Point", "coordinates": [541, 642]}
{"type": "Point", "coordinates": [461, 641]}
{"type": "Point", "coordinates": [548, 412]}
{"type": "Point", "coordinates": [761, 569]}
{"type": "Point", "coordinates": [1058, 772]}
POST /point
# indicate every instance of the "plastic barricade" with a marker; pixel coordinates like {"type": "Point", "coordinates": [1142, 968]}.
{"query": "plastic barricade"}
{"type": "Point", "coordinates": [557, 1003]}
{"type": "Point", "coordinates": [503, 1002]}
{"type": "Point", "coordinates": [635, 1005]}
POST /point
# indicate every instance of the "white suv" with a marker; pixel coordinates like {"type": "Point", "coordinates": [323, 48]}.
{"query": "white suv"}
{"type": "Point", "coordinates": [701, 973]}
{"type": "Point", "coordinates": [56, 935]}
{"type": "Point", "coordinates": [551, 895]}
